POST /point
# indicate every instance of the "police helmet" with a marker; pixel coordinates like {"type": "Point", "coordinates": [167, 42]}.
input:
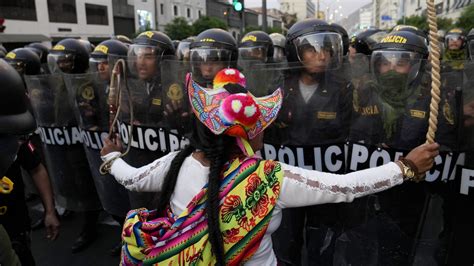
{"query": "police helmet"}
{"type": "Point", "coordinates": [68, 56]}
{"type": "Point", "coordinates": [149, 45]}
{"type": "Point", "coordinates": [182, 52]}
{"type": "Point", "coordinates": [25, 61]}
{"type": "Point", "coordinates": [413, 30]}
{"type": "Point", "coordinates": [104, 51]}
{"type": "Point", "coordinates": [316, 36]}
{"type": "Point", "coordinates": [160, 42]}
{"type": "Point", "coordinates": [455, 35]}
{"type": "Point", "coordinates": [401, 51]}
{"type": "Point", "coordinates": [256, 45]}
{"type": "Point", "coordinates": [218, 39]}
{"type": "Point", "coordinates": [40, 49]}
{"type": "Point", "coordinates": [15, 119]}
{"type": "Point", "coordinates": [279, 43]}
{"type": "Point", "coordinates": [88, 45]}
{"type": "Point", "coordinates": [364, 42]}
{"type": "Point", "coordinates": [212, 50]}
{"type": "Point", "coordinates": [123, 39]}
{"type": "Point", "coordinates": [175, 44]}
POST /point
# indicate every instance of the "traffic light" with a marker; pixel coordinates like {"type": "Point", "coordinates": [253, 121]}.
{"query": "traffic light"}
{"type": "Point", "coordinates": [238, 5]}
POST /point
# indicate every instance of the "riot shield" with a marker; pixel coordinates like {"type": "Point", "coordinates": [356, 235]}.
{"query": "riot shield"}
{"type": "Point", "coordinates": [146, 126]}
{"type": "Point", "coordinates": [310, 132]}
{"type": "Point", "coordinates": [88, 97]}
{"type": "Point", "coordinates": [410, 223]}
{"type": "Point", "coordinates": [461, 201]}
{"type": "Point", "coordinates": [62, 143]}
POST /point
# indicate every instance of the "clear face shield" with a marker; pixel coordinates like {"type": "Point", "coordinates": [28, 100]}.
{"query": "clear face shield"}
{"type": "Point", "coordinates": [18, 65]}
{"type": "Point", "coordinates": [144, 61]}
{"type": "Point", "coordinates": [395, 70]}
{"type": "Point", "coordinates": [101, 66]}
{"type": "Point", "coordinates": [453, 41]}
{"type": "Point", "coordinates": [206, 62]}
{"type": "Point", "coordinates": [255, 53]}
{"type": "Point", "coordinates": [183, 51]}
{"type": "Point", "coordinates": [319, 52]}
{"type": "Point", "coordinates": [61, 63]}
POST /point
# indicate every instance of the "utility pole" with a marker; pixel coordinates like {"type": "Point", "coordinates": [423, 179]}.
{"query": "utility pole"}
{"type": "Point", "coordinates": [242, 19]}
{"type": "Point", "coordinates": [264, 15]}
{"type": "Point", "coordinates": [317, 8]}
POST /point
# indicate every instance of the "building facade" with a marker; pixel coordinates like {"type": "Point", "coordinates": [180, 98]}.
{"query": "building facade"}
{"type": "Point", "coordinates": [167, 10]}
{"type": "Point", "coordinates": [273, 17]}
{"type": "Point", "coordinates": [302, 8]}
{"type": "Point", "coordinates": [53, 20]}
{"type": "Point", "coordinates": [386, 13]}
{"type": "Point", "coordinates": [444, 8]}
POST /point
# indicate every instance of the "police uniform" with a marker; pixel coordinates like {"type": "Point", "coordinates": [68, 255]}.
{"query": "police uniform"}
{"type": "Point", "coordinates": [316, 114]}
{"type": "Point", "coordinates": [324, 119]}
{"type": "Point", "coordinates": [13, 209]}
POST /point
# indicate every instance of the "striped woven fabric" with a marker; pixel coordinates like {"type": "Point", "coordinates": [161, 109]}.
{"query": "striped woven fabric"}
{"type": "Point", "coordinates": [248, 193]}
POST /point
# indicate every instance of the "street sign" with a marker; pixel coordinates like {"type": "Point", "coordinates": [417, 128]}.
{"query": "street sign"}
{"type": "Point", "coordinates": [386, 18]}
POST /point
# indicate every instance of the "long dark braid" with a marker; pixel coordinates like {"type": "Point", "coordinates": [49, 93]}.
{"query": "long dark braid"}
{"type": "Point", "coordinates": [218, 149]}
{"type": "Point", "coordinates": [218, 157]}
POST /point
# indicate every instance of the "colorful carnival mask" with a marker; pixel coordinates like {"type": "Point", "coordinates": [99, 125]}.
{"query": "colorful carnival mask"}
{"type": "Point", "coordinates": [240, 115]}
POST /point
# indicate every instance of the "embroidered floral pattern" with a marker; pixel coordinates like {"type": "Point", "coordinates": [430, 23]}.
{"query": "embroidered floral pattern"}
{"type": "Point", "coordinates": [232, 236]}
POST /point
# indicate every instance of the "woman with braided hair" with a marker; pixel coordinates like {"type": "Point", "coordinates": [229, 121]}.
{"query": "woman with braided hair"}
{"type": "Point", "coordinates": [219, 203]}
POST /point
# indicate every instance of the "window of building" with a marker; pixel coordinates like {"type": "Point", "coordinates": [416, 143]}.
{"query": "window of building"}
{"type": "Point", "coordinates": [162, 9]}
{"type": "Point", "coordinates": [199, 13]}
{"type": "Point", "coordinates": [63, 11]}
{"type": "Point", "coordinates": [96, 15]}
{"type": "Point", "coordinates": [188, 12]}
{"type": "Point", "coordinates": [175, 11]}
{"type": "Point", "coordinates": [18, 9]}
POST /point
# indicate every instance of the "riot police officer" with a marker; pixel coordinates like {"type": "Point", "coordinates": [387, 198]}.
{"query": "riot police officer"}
{"type": "Point", "coordinates": [100, 58]}
{"type": "Point", "coordinates": [25, 61]}
{"type": "Point", "coordinates": [279, 43]}
{"type": "Point", "coordinates": [316, 111]}
{"type": "Point", "coordinates": [14, 217]}
{"type": "Point", "coordinates": [68, 56]}
{"type": "Point", "coordinates": [399, 67]}
{"type": "Point", "coordinates": [42, 51]}
{"type": "Point", "coordinates": [15, 120]}
{"type": "Point", "coordinates": [256, 46]}
{"type": "Point", "coordinates": [89, 95]}
{"type": "Point", "coordinates": [71, 56]}
{"type": "Point", "coordinates": [145, 55]}
{"type": "Point", "coordinates": [213, 50]}
{"type": "Point", "coordinates": [455, 53]}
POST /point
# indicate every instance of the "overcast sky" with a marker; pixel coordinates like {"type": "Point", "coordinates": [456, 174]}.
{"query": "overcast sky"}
{"type": "Point", "coordinates": [348, 6]}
